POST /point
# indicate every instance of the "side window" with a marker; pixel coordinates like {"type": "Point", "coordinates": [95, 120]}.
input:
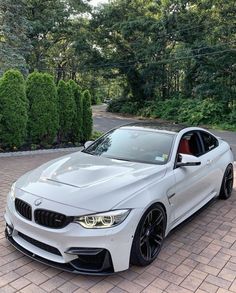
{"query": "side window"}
{"type": "Point", "coordinates": [190, 144]}
{"type": "Point", "coordinates": [209, 141]}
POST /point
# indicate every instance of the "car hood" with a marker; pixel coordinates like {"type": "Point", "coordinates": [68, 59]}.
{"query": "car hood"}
{"type": "Point", "coordinates": [90, 182]}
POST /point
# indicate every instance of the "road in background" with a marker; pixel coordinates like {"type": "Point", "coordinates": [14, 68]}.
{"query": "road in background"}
{"type": "Point", "coordinates": [104, 121]}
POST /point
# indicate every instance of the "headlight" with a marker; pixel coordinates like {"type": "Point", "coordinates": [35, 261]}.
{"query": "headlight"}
{"type": "Point", "coordinates": [12, 191]}
{"type": "Point", "coordinates": [103, 220]}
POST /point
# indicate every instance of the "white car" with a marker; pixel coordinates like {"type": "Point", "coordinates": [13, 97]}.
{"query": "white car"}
{"type": "Point", "coordinates": [112, 204]}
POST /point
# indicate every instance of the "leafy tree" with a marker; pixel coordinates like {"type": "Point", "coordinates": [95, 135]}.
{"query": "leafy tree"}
{"type": "Point", "coordinates": [14, 43]}
{"type": "Point", "coordinates": [67, 110]}
{"type": "Point", "coordinates": [13, 109]}
{"type": "Point", "coordinates": [87, 116]}
{"type": "Point", "coordinates": [77, 135]}
{"type": "Point", "coordinates": [43, 113]}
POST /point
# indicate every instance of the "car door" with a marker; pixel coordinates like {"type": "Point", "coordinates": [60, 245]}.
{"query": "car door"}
{"type": "Point", "coordinates": [192, 187]}
{"type": "Point", "coordinates": [212, 155]}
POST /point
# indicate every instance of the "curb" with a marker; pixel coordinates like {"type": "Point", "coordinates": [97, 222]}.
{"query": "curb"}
{"type": "Point", "coordinates": [38, 152]}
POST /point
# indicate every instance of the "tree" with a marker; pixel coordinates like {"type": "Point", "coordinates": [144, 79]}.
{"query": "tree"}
{"type": "Point", "coordinates": [87, 116]}
{"type": "Point", "coordinates": [77, 135]}
{"type": "Point", "coordinates": [67, 111]}
{"type": "Point", "coordinates": [14, 42]}
{"type": "Point", "coordinates": [43, 113]}
{"type": "Point", "coordinates": [53, 33]}
{"type": "Point", "coordinates": [13, 109]}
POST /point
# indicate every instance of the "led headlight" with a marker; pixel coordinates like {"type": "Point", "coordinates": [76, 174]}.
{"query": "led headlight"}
{"type": "Point", "coordinates": [12, 192]}
{"type": "Point", "coordinates": [102, 220]}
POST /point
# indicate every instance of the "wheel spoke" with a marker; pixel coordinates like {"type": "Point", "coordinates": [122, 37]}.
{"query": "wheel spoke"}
{"type": "Point", "coordinates": [142, 240]}
{"type": "Point", "coordinates": [157, 239]}
{"type": "Point", "coordinates": [150, 217]}
{"type": "Point", "coordinates": [157, 221]}
{"type": "Point", "coordinates": [149, 249]}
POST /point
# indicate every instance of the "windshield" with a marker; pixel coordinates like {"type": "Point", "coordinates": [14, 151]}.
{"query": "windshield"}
{"type": "Point", "coordinates": [134, 145]}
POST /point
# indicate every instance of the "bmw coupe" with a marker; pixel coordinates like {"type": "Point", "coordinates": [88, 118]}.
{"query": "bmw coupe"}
{"type": "Point", "coordinates": [112, 204]}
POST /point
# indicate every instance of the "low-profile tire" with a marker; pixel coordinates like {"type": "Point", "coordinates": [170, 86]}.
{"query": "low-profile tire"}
{"type": "Point", "coordinates": [149, 236]}
{"type": "Point", "coordinates": [227, 183]}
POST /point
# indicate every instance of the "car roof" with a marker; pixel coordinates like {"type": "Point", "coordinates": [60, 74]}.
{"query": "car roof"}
{"type": "Point", "coordinates": [155, 126]}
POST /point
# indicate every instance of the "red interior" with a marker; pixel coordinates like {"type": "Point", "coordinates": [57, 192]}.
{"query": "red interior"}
{"type": "Point", "coordinates": [184, 147]}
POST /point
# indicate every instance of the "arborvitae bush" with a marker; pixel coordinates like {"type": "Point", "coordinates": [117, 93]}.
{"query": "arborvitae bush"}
{"type": "Point", "coordinates": [87, 116]}
{"type": "Point", "coordinates": [67, 111]}
{"type": "Point", "coordinates": [13, 109]}
{"type": "Point", "coordinates": [77, 135]}
{"type": "Point", "coordinates": [43, 114]}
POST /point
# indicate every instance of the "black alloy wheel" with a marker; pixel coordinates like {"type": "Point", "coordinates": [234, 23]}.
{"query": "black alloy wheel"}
{"type": "Point", "coordinates": [149, 236]}
{"type": "Point", "coordinates": [227, 183]}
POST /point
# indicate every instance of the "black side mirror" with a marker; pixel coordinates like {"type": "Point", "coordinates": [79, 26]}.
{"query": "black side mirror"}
{"type": "Point", "coordinates": [185, 160]}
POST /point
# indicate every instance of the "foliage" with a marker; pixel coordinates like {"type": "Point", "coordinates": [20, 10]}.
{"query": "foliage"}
{"type": "Point", "coordinates": [87, 116]}
{"type": "Point", "coordinates": [14, 42]}
{"type": "Point", "coordinates": [43, 113]}
{"type": "Point", "coordinates": [77, 135]}
{"type": "Point", "coordinates": [143, 52]}
{"type": "Point", "coordinates": [96, 135]}
{"type": "Point", "coordinates": [123, 105]}
{"type": "Point", "coordinates": [67, 110]}
{"type": "Point", "coordinates": [189, 111]}
{"type": "Point", "coordinates": [13, 109]}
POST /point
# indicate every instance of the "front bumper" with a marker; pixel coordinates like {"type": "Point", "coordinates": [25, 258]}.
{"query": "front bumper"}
{"type": "Point", "coordinates": [74, 248]}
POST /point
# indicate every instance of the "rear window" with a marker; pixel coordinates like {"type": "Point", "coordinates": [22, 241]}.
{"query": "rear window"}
{"type": "Point", "coordinates": [209, 141]}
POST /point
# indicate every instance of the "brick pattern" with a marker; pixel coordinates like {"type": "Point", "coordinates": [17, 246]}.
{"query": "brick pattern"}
{"type": "Point", "coordinates": [198, 256]}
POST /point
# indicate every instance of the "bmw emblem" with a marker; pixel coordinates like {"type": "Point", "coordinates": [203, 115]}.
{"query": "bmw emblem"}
{"type": "Point", "coordinates": [38, 202]}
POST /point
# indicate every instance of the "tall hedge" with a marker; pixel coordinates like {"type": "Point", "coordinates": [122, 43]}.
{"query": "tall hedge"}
{"type": "Point", "coordinates": [43, 114]}
{"type": "Point", "coordinates": [87, 116]}
{"type": "Point", "coordinates": [67, 110]}
{"type": "Point", "coordinates": [78, 120]}
{"type": "Point", "coordinates": [13, 109]}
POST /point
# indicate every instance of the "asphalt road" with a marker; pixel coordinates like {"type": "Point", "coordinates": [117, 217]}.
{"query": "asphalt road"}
{"type": "Point", "coordinates": [104, 121]}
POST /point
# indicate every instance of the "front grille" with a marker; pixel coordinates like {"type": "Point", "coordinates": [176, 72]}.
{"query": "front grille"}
{"type": "Point", "coordinates": [50, 219]}
{"type": "Point", "coordinates": [23, 208]}
{"type": "Point", "coordinates": [39, 244]}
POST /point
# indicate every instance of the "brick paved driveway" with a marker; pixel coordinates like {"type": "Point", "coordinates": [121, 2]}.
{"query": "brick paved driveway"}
{"type": "Point", "coordinates": [199, 256]}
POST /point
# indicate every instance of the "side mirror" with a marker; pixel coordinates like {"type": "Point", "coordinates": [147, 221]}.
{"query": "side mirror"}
{"type": "Point", "coordinates": [88, 143]}
{"type": "Point", "coordinates": [185, 160]}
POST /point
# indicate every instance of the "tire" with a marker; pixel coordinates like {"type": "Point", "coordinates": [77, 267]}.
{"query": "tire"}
{"type": "Point", "coordinates": [227, 183]}
{"type": "Point", "coordinates": [149, 236]}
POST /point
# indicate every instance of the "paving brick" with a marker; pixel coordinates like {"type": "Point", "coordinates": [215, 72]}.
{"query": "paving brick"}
{"type": "Point", "coordinates": [208, 269]}
{"type": "Point", "coordinates": [218, 282]}
{"type": "Point", "coordinates": [208, 287]}
{"type": "Point", "coordinates": [144, 279]}
{"type": "Point", "coordinates": [233, 287]}
{"type": "Point", "coordinates": [160, 283]}
{"type": "Point", "coordinates": [20, 283]}
{"type": "Point", "coordinates": [175, 279]}
{"type": "Point", "coordinates": [52, 283]}
{"type": "Point", "coordinates": [183, 270]}
{"type": "Point", "coordinates": [115, 290]}
{"type": "Point", "coordinates": [191, 283]}
{"type": "Point", "coordinates": [198, 274]}
{"type": "Point", "coordinates": [36, 277]}
{"type": "Point", "coordinates": [227, 274]}
{"type": "Point", "coordinates": [174, 288]}
{"type": "Point", "coordinates": [83, 282]}
{"type": "Point", "coordinates": [101, 287]}
{"type": "Point", "coordinates": [130, 286]}
{"type": "Point", "coordinates": [32, 288]}
{"type": "Point", "coordinates": [67, 287]}
{"type": "Point", "coordinates": [7, 289]}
